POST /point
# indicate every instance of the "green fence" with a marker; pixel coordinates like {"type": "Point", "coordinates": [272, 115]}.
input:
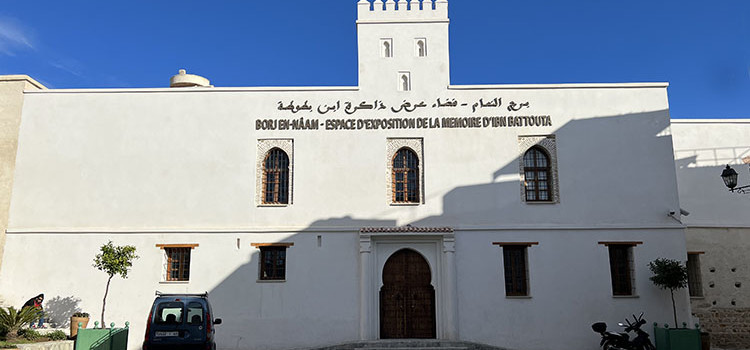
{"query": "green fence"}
{"type": "Point", "coordinates": [102, 338]}
{"type": "Point", "coordinates": [677, 338]}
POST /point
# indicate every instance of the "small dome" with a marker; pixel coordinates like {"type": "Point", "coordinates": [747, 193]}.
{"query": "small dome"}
{"type": "Point", "coordinates": [182, 79]}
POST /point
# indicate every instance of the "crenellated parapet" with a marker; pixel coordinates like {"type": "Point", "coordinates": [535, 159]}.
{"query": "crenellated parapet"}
{"type": "Point", "coordinates": [403, 10]}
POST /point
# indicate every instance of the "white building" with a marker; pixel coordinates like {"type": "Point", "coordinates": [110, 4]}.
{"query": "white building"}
{"type": "Point", "coordinates": [509, 215]}
{"type": "Point", "coordinates": [718, 227]}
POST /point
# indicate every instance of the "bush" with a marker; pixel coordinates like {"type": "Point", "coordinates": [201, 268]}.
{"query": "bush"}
{"type": "Point", "coordinates": [81, 314]}
{"type": "Point", "coordinates": [57, 335]}
{"type": "Point", "coordinates": [29, 334]}
{"type": "Point", "coordinates": [11, 320]}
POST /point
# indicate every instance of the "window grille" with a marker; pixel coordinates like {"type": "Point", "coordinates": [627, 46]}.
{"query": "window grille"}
{"type": "Point", "coordinates": [178, 264]}
{"type": "Point", "coordinates": [405, 177]}
{"type": "Point", "coordinates": [276, 177]}
{"type": "Point", "coordinates": [273, 263]}
{"type": "Point", "coordinates": [537, 175]}
{"type": "Point", "coordinates": [695, 283]}
{"type": "Point", "coordinates": [516, 276]}
{"type": "Point", "coordinates": [621, 268]}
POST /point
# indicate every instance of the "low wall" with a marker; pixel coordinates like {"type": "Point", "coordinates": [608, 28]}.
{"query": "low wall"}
{"type": "Point", "coordinates": [729, 328]}
{"type": "Point", "coordinates": [50, 345]}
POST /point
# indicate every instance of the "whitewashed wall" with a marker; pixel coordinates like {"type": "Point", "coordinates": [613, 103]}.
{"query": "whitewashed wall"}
{"type": "Point", "coordinates": [160, 166]}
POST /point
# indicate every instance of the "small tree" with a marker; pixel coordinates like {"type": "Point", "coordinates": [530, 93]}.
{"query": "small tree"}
{"type": "Point", "coordinates": [669, 274]}
{"type": "Point", "coordinates": [114, 260]}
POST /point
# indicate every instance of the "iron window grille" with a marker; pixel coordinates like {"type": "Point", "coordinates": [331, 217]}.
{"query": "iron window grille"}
{"type": "Point", "coordinates": [405, 176]}
{"type": "Point", "coordinates": [621, 269]}
{"type": "Point", "coordinates": [273, 263]}
{"type": "Point", "coordinates": [178, 264]}
{"type": "Point", "coordinates": [276, 177]}
{"type": "Point", "coordinates": [695, 283]}
{"type": "Point", "coordinates": [537, 175]}
{"type": "Point", "coordinates": [516, 270]}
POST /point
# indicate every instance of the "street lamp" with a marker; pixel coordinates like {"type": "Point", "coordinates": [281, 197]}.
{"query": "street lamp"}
{"type": "Point", "coordinates": [730, 179]}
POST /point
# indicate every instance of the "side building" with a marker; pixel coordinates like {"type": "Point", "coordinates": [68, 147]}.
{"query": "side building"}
{"type": "Point", "coordinates": [404, 207]}
{"type": "Point", "coordinates": [718, 227]}
{"type": "Point", "coordinates": [12, 88]}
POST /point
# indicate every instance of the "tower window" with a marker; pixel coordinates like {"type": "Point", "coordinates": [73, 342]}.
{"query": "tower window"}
{"type": "Point", "coordinates": [421, 47]}
{"type": "Point", "coordinates": [386, 48]}
{"type": "Point", "coordinates": [404, 81]}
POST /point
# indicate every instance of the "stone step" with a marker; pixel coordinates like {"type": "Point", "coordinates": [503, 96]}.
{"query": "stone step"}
{"type": "Point", "coordinates": [409, 344]}
{"type": "Point", "coordinates": [415, 347]}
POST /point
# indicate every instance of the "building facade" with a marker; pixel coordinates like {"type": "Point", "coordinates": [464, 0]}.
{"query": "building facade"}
{"type": "Point", "coordinates": [404, 207]}
{"type": "Point", "coordinates": [718, 228]}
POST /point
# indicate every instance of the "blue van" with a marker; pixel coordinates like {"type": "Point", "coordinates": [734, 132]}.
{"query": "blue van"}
{"type": "Point", "coordinates": [180, 321]}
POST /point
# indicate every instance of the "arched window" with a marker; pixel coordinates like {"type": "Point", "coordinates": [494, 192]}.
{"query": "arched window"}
{"type": "Point", "coordinates": [405, 176]}
{"type": "Point", "coordinates": [386, 49]}
{"type": "Point", "coordinates": [405, 83]}
{"type": "Point", "coordinates": [276, 177]}
{"type": "Point", "coordinates": [537, 175]}
{"type": "Point", "coordinates": [421, 49]}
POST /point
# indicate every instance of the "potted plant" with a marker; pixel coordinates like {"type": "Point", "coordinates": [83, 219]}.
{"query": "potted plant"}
{"type": "Point", "coordinates": [673, 275]}
{"type": "Point", "coordinates": [78, 317]}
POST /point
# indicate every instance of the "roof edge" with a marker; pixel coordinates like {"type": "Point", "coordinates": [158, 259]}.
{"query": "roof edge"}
{"type": "Point", "coordinates": [560, 86]}
{"type": "Point", "coordinates": [201, 89]}
{"type": "Point", "coordinates": [23, 77]}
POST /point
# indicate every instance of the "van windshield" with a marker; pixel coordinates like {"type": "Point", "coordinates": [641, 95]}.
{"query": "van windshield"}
{"type": "Point", "coordinates": [169, 312]}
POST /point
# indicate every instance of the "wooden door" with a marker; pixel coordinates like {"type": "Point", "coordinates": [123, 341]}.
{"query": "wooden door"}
{"type": "Point", "coordinates": [407, 299]}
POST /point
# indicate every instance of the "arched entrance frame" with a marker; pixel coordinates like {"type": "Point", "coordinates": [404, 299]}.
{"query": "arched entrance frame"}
{"type": "Point", "coordinates": [436, 245]}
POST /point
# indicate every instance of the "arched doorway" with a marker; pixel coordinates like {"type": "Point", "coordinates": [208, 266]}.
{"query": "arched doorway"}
{"type": "Point", "coordinates": [407, 299]}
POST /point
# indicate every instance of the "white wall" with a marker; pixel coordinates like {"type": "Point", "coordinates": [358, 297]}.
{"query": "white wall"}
{"type": "Point", "coordinates": [702, 149]}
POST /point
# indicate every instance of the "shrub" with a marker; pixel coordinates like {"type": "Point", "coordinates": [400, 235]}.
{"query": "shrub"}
{"type": "Point", "coordinates": [81, 314]}
{"type": "Point", "coordinates": [11, 320]}
{"type": "Point", "coordinates": [29, 334]}
{"type": "Point", "coordinates": [57, 335]}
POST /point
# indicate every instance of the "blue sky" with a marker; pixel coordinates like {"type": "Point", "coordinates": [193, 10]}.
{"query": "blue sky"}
{"type": "Point", "coordinates": [702, 48]}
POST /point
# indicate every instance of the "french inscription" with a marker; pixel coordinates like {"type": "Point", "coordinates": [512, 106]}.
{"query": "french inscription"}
{"type": "Point", "coordinates": [404, 123]}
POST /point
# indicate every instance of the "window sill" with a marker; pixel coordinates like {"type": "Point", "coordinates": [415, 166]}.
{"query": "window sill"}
{"type": "Point", "coordinates": [625, 296]}
{"type": "Point", "coordinates": [270, 281]}
{"type": "Point", "coordinates": [272, 205]}
{"type": "Point", "coordinates": [540, 202]}
{"type": "Point", "coordinates": [518, 297]}
{"type": "Point", "coordinates": [697, 297]}
{"type": "Point", "coordinates": [174, 282]}
{"type": "Point", "coordinates": [405, 204]}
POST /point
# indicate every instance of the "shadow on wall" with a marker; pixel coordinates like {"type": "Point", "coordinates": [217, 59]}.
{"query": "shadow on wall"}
{"type": "Point", "coordinates": [59, 309]}
{"type": "Point", "coordinates": [253, 309]}
{"type": "Point", "coordinates": [703, 193]}
{"type": "Point", "coordinates": [628, 160]}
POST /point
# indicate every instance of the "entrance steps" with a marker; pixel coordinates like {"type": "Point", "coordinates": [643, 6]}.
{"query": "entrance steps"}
{"type": "Point", "coordinates": [410, 344]}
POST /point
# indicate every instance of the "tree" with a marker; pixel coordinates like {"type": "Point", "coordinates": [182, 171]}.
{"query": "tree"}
{"type": "Point", "coordinates": [11, 320]}
{"type": "Point", "coordinates": [669, 274]}
{"type": "Point", "coordinates": [114, 260]}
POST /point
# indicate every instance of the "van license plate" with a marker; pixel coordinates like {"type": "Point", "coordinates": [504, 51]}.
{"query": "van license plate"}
{"type": "Point", "coordinates": [167, 334]}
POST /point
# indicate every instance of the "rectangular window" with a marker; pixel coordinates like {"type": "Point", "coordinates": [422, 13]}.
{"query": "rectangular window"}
{"type": "Point", "coordinates": [272, 261]}
{"type": "Point", "coordinates": [695, 284]}
{"type": "Point", "coordinates": [178, 264]}
{"type": "Point", "coordinates": [621, 268]}
{"type": "Point", "coordinates": [516, 272]}
{"type": "Point", "coordinates": [176, 261]}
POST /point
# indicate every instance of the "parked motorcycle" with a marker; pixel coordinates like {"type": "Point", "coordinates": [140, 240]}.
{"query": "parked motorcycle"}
{"type": "Point", "coordinates": [621, 341]}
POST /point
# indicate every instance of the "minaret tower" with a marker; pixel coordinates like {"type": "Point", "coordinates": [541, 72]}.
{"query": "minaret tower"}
{"type": "Point", "coordinates": [403, 46]}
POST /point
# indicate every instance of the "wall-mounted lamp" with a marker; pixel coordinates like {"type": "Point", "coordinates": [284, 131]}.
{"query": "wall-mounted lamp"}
{"type": "Point", "coordinates": [730, 180]}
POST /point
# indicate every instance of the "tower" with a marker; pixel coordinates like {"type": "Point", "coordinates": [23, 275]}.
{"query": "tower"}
{"type": "Point", "coordinates": [403, 46]}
